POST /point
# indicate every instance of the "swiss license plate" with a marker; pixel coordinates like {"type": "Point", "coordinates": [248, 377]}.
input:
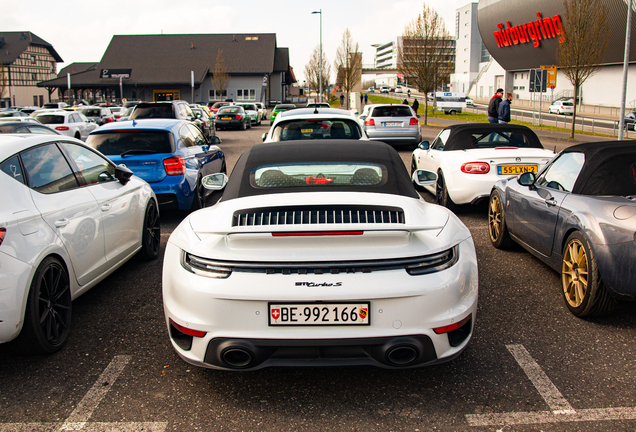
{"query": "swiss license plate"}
{"type": "Point", "coordinates": [319, 314]}
{"type": "Point", "coordinates": [389, 124]}
{"type": "Point", "coordinates": [515, 169]}
{"type": "Point", "coordinates": [226, 118]}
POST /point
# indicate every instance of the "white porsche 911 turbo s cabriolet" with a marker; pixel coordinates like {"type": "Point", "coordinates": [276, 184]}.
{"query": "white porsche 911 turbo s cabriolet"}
{"type": "Point", "coordinates": [320, 255]}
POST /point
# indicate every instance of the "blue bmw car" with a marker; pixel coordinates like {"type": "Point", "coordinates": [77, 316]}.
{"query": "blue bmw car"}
{"type": "Point", "coordinates": [171, 155]}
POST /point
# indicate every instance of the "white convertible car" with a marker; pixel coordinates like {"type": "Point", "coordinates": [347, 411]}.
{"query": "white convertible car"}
{"type": "Point", "coordinates": [319, 255]}
{"type": "Point", "coordinates": [69, 218]}
{"type": "Point", "coordinates": [470, 158]}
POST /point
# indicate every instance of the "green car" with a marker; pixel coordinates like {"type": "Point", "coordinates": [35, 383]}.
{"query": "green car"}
{"type": "Point", "coordinates": [280, 108]}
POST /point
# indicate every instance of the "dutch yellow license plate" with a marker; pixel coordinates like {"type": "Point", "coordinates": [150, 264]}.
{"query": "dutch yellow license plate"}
{"type": "Point", "coordinates": [515, 169]}
{"type": "Point", "coordinates": [226, 118]}
{"type": "Point", "coordinates": [307, 130]}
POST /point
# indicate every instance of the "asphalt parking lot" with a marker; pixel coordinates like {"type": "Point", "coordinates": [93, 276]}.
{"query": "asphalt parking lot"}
{"type": "Point", "coordinates": [531, 365]}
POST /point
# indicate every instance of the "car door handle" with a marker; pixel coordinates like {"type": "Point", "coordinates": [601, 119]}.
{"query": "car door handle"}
{"type": "Point", "coordinates": [551, 202]}
{"type": "Point", "coordinates": [106, 207]}
{"type": "Point", "coordinates": [61, 223]}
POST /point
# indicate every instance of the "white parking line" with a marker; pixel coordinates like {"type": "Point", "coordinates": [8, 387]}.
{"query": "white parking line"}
{"type": "Point", "coordinates": [78, 420]}
{"type": "Point", "coordinates": [562, 411]}
{"type": "Point", "coordinates": [542, 383]}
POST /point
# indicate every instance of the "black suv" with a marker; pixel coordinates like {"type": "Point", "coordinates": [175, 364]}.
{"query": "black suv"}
{"type": "Point", "coordinates": [173, 109]}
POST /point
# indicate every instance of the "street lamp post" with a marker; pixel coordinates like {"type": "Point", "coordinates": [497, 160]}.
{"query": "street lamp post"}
{"type": "Point", "coordinates": [320, 72]}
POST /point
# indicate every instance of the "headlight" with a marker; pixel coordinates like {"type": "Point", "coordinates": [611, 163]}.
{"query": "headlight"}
{"type": "Point", "coordinates": [204, 267]}
{"type": "Point", "coordinates": [434, 263]}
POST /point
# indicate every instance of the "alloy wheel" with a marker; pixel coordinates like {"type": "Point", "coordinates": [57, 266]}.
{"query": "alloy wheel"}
{"type": "Point", "coordinates": [574, 273]}
{"type": "Point", "coordinates": [54, 303]}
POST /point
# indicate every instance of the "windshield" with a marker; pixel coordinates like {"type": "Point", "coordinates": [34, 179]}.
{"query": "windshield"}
{"type": "Point", "coordinates": [311, 174]}
{"type": "Point", "coordinates": [141, 142]}
{"type": "Point", "coordinates": [310, 129]}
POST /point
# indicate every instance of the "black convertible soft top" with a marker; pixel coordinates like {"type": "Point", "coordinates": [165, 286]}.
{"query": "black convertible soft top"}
{"type": "Point", "coordinates": [398, 179]}
{"type": "Point", "coordinates": [609, 168]}
{"type": "Point", "coordinates": [461, 135]}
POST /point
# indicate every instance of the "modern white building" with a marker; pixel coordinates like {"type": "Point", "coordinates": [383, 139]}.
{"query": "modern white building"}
{"type": "Point", "coordinates": [471, 53]}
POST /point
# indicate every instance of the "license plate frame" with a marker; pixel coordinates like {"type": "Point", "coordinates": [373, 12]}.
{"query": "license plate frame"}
{"type": "Point", "coordinates": [515, 169]}
{"type": "Point", "coordinates": [341, 309]}
{"type": "Point", "coordinates": [392, 124]}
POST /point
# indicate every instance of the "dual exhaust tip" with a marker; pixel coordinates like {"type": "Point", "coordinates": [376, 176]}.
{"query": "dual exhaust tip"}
{"type": "Point", "coordinates": [242, 356]}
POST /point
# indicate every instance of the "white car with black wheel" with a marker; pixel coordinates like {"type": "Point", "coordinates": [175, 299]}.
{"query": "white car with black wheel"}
{"type": "Point", "coordinates": [317, 255]}
{"type": "Point", "coordinates": [470, 158]}
{"type": "Point", "coordinates": [69, 218]}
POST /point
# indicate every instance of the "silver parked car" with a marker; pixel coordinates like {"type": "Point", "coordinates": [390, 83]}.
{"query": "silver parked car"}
{"type": "Point", "coordinates": [577, 215]}
{"type": "Point", "coordinates": [393, 124]}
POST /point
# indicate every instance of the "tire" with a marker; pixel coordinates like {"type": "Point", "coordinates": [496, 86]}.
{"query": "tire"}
{"type": "Point", "coordinates": [198, 201]}
{"type": "Point", "coordinates": [244, 127]}
{"type": "Point", "coordinates": [413, 166]}
{"type": "Point", "coordinates": [151, 238]}
{"type": "Point", "coordinates": [47, 318]}
{"type": "Point", "coordinates": [583, 289]}
{"type": "Point", "coordinates": [441, 194]}
{"type": "Point", "coordinates": [497, 230]}
{"type": "Point", "coordinates": [78, 136]}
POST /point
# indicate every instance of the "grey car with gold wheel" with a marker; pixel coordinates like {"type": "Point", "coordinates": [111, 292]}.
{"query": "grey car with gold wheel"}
{"type": "Point", "coordinates": [578, 215]}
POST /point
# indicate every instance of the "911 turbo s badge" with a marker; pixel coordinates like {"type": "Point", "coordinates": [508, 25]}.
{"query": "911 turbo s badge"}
{"type": "Point", "coordinates": [324, 284]}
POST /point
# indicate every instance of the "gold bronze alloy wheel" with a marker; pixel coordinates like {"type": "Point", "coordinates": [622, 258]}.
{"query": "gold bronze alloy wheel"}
{"type": "Point", "coordinates": [497, 230]}
{"type": "Point", "coordinates": [583, 288]}
{"type": "Point", "coordinates": [494, 218]}
{"type": "Point", "coordinates": [574, 273]}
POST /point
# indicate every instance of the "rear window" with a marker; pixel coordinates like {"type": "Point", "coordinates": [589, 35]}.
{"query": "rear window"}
{"type": "Point", "coordinates": [284, 107]}
{"type": "Point", "coordinates": [220, 104]}
{"type": "Point", "coordinates": [312, 174]}
{"type": "Point", "coordinates": [499, 139]}
{"type": "Point", "coordinates": [132, 142]}
{"type": "Point", "coordinates": [50, 119]}
{"type": "Point", "coordinates": [154, 111]}
{"type": "Point", "coordinates": [91, 112]}
{"type": "Point", "coordinates": [232, 110]}
{"type": "Point", "coordinates": [392, 111]}
{"type": "Point", "coordinates": [316, 129]}
{"type": "Point", "coordinates": [249, 107]}
{"type": "Point", "coordinates": [568, 104]}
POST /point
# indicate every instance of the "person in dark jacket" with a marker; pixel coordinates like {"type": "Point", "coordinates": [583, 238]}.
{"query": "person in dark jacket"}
{"type": "Point", "coordinates": [415, 105]}
{"type": "Point", "coordinates": [493, 106]}
{"type": "Point", "coordinates": [504, 109]}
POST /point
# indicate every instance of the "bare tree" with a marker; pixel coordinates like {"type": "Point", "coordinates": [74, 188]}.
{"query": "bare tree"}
{"type": "Point", "coordinates": [348, 64]}
{"type": "Point", "coordinates": [220, 78]}
{"type": "Point", "coordinates": [368, 83]}
{"type": "Point", "coordinates": [312, 70]}
{"type": "Point", "coordinates": [583, 43]}
{"type": "Point", "coordinates": [425, 56]}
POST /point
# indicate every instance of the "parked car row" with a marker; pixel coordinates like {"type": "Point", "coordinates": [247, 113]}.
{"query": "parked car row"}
{"type": "Point", "coordinates": [340, 213]}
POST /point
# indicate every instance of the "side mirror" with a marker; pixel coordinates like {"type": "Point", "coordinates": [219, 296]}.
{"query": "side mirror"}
{"type": "Point", "coordinates": [264, 137]}
{"type": "Point", "coordinates": [424, 145]}
{"type": "Point", "coordinates": [123, 174]}
{"type": "Point", "coordinates": [527, 179]}
{"type": "Point", "coordinates": [215, 140]}
{"type": "Point", "coordinates": [362, 117]}
{"type": "Point", "coordinates": [424, 177]}
{"type": "Point", "coordinates": [214, 181]}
